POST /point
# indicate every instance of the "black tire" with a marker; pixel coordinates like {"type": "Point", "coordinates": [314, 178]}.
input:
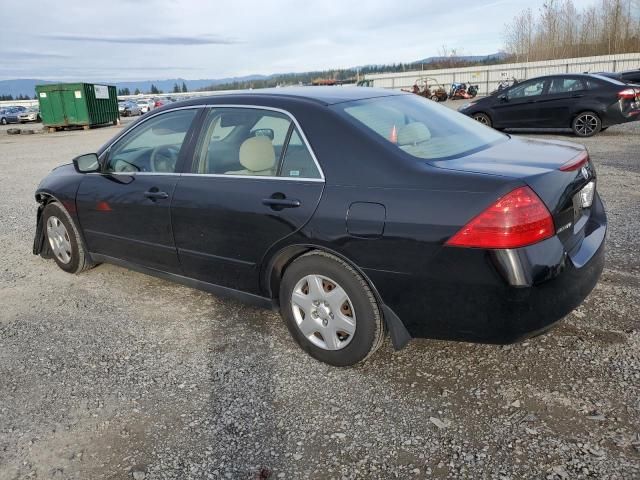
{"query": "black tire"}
{"type": "Point", "coordinates": [435, 98]}
{"type": "Point", "coordinates": [3, 121]}
{"type": "Point", "coordinates": [602, 129]}
{"type": "Point", "coordinates": [369, 329]}
{"type": "Point", "coordinates": [483, 118]}
{"type": "Point", "coordinates": [586, 124]}
{"type": "Point", "coordinates": [80, 260]}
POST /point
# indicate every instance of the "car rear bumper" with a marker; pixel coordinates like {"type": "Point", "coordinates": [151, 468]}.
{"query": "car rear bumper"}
{"type": "Point", "coordinates": [496, 297]}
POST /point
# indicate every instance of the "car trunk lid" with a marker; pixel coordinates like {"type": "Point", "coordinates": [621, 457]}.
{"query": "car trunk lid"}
{"type": "Point", "coordinates": [558, 172]}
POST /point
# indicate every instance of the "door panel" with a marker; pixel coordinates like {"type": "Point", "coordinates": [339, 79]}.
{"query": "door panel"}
{"type": "Point", "coordinates": [69, 105]}
{"type": "Point", "coordinates": [120, 221]}
{"type": "Point", "coordinates": [521, 108]}
{"type": "Point", "coordinates": [223, 227]}
{"type": "Point", "coordinates": [125, 211]}
{"type": "Point", "coordinates": [557, 104]}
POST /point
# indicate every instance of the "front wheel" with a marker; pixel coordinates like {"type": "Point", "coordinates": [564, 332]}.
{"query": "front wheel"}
{"type": "Point", "coordinates": [586, 124]}
{"type": "Point", "coordinates": [3, 121]}
{"type": "Point", "coordinates": [483, 118]}
{"type": "Point", "coordinates": [63, 240]}
{"type": "Point", "coordinates": [330, 310]}
{"type": "Point", "coordinates": [435, 98]}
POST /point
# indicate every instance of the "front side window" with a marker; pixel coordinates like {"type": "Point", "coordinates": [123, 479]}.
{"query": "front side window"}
{"type": "Point", "coordinates": [527, 89]}
{"type": "Point", "coordinates": [153, 146]}
{"type": "Point", "coordinates": [420, 127]}
{"type": "Point", "coordinates": [252, 142]}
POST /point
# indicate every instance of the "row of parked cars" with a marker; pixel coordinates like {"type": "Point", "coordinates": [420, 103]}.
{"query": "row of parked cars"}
{"type": "Point", "coordinates": [132, 107]}
{"type": "Point", "coordinates": [584, 103]}
{"type": "Point", "coordinates": [19, 114]}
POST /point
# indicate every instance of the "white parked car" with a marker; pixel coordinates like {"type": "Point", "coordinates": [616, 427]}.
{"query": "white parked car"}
{"type": "Point", "coordinates": [145, 105]}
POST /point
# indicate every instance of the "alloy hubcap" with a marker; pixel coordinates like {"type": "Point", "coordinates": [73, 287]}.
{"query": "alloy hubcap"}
{"type": "Point", "coordinates": [59, 239]}
{"type": "Point", "coordinates": [482, 120]}
{"type": "Point", "coordinates": [586, 124]}
{"type": "Point", "coordinates": [323, 311]}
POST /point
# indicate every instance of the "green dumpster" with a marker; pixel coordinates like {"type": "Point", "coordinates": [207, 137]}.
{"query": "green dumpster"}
{"type": "Point", "coordinates": [81, 104]}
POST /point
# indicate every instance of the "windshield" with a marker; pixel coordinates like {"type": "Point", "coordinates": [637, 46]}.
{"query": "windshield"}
{"type": "Point", "coordinates": [420, 127]}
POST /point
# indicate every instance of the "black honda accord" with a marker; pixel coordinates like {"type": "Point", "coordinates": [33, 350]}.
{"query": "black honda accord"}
{"type": "Point", "coordinates": [355, 211]}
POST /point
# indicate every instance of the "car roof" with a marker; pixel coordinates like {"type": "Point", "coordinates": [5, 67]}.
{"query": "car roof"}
{"type": "Point", "coordinates": [322, 95]}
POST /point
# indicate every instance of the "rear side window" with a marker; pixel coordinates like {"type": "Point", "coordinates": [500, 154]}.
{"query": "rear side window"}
{"type": "Point", "coordinates": [297, 161]}
{"type": "Point", "coordinates": [420, 127]}
{"type": "Point", "coordinates": [564, 85]}
{"type": "Point", "coordinates": [253, 142]}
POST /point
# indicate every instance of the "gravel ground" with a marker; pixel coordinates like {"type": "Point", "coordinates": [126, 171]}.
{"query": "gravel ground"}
{"type": "Point", "coordinates": [113, 374]}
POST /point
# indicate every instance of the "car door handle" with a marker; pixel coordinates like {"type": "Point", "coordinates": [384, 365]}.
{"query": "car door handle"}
{"type": "Point", "coordinates": [280, 203]}
{"type": "Point", "coordinates": [156, 195]}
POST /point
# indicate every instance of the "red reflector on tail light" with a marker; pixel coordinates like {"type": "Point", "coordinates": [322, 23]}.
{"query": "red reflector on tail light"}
{"type": "Point", "coordinates": [516, 220]}
{"type": "Point", "coordinates": [575, 163]}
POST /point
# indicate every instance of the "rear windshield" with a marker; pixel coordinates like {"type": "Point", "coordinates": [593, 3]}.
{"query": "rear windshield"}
{"type": "Point", "coordinates": [420, 127]}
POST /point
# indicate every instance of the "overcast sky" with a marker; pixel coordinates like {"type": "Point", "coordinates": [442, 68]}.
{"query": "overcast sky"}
{"type": "Point", "coordinates": [117, 40]}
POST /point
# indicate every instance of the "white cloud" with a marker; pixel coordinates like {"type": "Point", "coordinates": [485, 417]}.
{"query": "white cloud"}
{"type": "Point", "coordinates": [125, 39]}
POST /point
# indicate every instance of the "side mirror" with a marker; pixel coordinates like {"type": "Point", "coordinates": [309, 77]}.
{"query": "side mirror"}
{"type": "Point", "coordinates": [503, 97]}
{"type": "Point", "coordinates": [87, 163]}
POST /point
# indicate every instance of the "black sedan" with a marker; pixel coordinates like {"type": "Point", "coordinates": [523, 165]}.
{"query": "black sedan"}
{"type": "Point", "coordinates": [628, 76]}
{"type": "Point", "coordinates": [583, 103]}
{"type": "Point", "coordinates": [354, 211]}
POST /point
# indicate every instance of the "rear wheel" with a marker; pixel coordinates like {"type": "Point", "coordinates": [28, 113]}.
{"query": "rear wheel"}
{"type": "Point", "coordinates": [63, 240]}
{"type": "Point", "coordinates": [586, 124]}
{"type": "Point", "coordinates": [435, 98]}
{"type": "Point", "coordinates": [330, 310]}
{"type": "Point", "coordinates": [483, 118]}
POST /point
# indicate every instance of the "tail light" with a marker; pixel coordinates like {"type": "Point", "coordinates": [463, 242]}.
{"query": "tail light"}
{"type": "Point", "coordinates": [628, 94]}
{"type": "Point", "coordinates": [575, 163]}
{"type": "Point", "coordinates": [516, 220]}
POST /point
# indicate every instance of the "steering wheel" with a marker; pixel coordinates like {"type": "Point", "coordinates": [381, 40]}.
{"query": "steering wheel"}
{"type": "Point", "coordinates": [164, 158]}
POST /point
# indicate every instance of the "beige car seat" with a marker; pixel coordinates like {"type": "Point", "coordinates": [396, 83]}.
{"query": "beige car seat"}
{"type": "Point", "coordinates": [257, 156]}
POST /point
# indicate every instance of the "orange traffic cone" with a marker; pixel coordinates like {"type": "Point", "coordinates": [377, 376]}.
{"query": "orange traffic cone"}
{"type": "Point", "coordinates": [393, 137]}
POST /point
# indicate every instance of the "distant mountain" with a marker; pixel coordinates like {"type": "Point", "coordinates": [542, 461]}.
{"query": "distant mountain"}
{"type": "Point", "coordinates": [20, 86]}
{"type": "Point", "coordinates": [466, 58]}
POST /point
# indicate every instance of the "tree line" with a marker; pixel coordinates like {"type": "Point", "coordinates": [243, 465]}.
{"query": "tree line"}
{"type": "Point", "coordinates": [350, 74]}
{"type": "Point", "coordinates": [19, 97]}
{"type": "Point", "coordinates": [153, 90]}
{"type": "Point", "coordinates": [561, 30]}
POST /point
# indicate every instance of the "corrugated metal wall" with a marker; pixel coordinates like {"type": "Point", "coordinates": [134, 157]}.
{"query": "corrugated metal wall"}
{"type": "Point", "coordinates": [488, 77]}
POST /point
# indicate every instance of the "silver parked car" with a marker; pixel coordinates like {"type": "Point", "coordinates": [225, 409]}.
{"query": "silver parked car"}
{"type": "Point", "coordinates": [128, 109]}
{"type": "Point", "coordinates": [31, 114]}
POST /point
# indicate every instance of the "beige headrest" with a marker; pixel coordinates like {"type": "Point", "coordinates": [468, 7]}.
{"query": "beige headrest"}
{"type": "Point", "coordinates": [257, 154]}
{"type": "Point", "coordinates": [413, 133]}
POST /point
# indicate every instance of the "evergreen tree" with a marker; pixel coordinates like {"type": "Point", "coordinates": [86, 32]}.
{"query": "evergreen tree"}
{"type": "Point", "coordinates": [176, 88]}
{"type": "Point", "coordinates": [137, 92]}
{"type": "Point", "coordinates": [154, 89]}
{"type": "Point", "coordinates": [184, 88]}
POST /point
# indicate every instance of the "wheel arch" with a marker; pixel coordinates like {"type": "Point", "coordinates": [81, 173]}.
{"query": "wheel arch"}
{"type": "Point", "coordinates": [44, 198]}
{"type": "Point", "coordinates": [281, 259]}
